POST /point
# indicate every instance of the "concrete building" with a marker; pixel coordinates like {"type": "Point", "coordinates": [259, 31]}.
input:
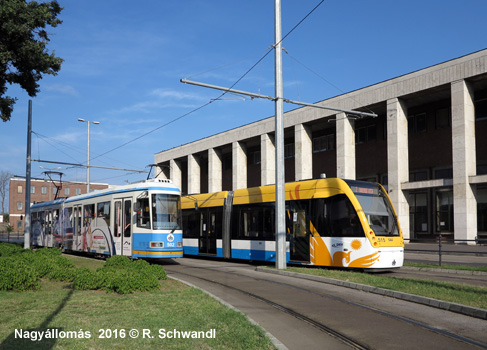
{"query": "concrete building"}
{"type": "Point", "coordinates": [41, 191]}
{"type": "Point", "coordinates": [428, 147]}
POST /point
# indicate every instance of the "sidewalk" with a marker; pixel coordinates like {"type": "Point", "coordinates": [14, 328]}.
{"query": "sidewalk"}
{"type": "Point", "coordinates": [446, 248]}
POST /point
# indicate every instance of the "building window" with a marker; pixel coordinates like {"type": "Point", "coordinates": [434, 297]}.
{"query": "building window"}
{"type": "Point", "coordinates": [44, 190]}
{"type": "Point", "coordinates": [66, 191]}
{"type": "Point", "coordinates": [78, 191]}
{"type": "Point", "coordinates": [482, 209]}
{"type": "Point", "coordinates": [20, 189]}
{"type": "Point", "coordinates": [444, 173]}
{"type": "Point", "coordinates": [323, 143]}
{"type": "Point", "coordinates": [443, 118]}
{"type": "Point", "coordinates": [32, 189]}
{"type": "Point", "coordinates": [365, 134]}
{"type": "Point", "coordinates": [481, 109]}
{"type": "Point", "coordinates": [227, 161]}
{"type": "Point", "coordinates": [289, 150]}
{"type": "Point", "coordinates": [421, 175]}
{"type": "Point", "coordinates": [444, 211]}
{"type": "Point", "coordinates": [418, 213]}
{"type": "Point", "coordinates": [254, 157]}
{"type": "Point", "coordinates": [54, 190]}
{"type": "Point", "coordinates": [19, 205]}
{"type": "Point", "coordinates": [417, 123]}
{"type": "Point", "coordinates": [19, 224]}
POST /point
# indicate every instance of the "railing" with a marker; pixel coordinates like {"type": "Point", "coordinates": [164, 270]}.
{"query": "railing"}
{"type": "Point", "coordinates": [12, 237]}
{"type": "Point", "coordinates": [440, 240]}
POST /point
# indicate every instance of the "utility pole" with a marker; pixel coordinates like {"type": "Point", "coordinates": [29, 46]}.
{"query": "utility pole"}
{"type": "Point", "coordinates": [88, 153]}
{"type": "Point", "coordinates": [280, 205]}
{"type": "Point", "coordinates": [27, 181]}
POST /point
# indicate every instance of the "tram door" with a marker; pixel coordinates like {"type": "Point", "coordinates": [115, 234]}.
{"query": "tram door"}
{"type": "Point", "coordinates": [208, 232]}
{"type": "Point", "coordinates": [299, 238]}
{"type": "Point", "coordinates": [122, 232]}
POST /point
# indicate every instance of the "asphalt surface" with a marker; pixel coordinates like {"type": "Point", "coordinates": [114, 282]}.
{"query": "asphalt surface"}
{"type": "Point", "coordinates": [301, 313]}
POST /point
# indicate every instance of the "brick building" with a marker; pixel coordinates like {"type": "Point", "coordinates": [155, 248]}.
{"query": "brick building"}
{"type": "Point", "coordinates": [41, 191]}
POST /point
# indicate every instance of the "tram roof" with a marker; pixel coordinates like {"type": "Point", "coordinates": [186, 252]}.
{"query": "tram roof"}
{"type": "Point", "coordinates": [147, 185]}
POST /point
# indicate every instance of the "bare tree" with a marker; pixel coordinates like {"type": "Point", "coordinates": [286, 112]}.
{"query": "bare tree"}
{"type": "Point", "coordinates": [4, 184]}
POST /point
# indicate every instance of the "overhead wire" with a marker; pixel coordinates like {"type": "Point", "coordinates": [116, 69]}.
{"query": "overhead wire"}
{"type": "Point", "coordinates": [269, 50]}
{"type": "Point", "coordinates": [322, 78]}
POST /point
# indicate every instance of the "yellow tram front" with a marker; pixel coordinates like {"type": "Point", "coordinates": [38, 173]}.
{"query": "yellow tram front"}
{"type": "Point", "coordinates": [354, 225]}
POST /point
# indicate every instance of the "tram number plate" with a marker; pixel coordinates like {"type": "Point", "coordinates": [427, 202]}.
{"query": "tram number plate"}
{"type": "Point", "coordinates": [171, 244]}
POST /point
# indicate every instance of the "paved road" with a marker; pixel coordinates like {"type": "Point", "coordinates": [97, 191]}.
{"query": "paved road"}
{"type": "Point", "coordinates": [299, 312]}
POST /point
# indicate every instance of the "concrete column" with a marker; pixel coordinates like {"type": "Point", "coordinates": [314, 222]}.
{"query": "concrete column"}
{"type": "Point", "coordinates": [345, 147]}
{"type": "Point", "coordinates": [176, 173]}
{"type": "Point", "coordinates": [194, 175]}
{"type": "Point", "coordinates": [398, 160]}
{"type": "Point", "coordinates": [267, 160]}
{"type": "Point", "coordinates": [464, 161]}
{"type": "Point", "coordinates": [303, 145]}
{"type": "Point", "coordinates": [239, 165]}
{"type": "Point", "coordinates": [214, 170]}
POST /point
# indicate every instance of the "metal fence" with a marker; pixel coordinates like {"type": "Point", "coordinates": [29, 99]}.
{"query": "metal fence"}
{"type": "Point", "coordinates": [457, 246]}
{"type": "Point", "coordinates": [12, 237]}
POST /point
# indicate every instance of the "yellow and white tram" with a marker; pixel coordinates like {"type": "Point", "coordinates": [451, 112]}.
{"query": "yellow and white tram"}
{"type": "Point", "coordinates": [141, 220]}
{"type": "Point", "coordinates": [329, 222]}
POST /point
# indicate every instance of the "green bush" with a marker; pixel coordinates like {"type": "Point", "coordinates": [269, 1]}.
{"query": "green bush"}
{"type": "Point", "coordinates": [17, 275]}
{"type": "Point", "coordinates": [87, 279]}
{"type": "Point", "coordinates": [122, 275]}
{"type": "Point", "coordinates": [118, 261]}
{"type": "Point", "coordinates": [8, 249]}
{"type": "Point", "coordinates": [22, 270]}
{"type": "Point", "coordinates": [158, 271]}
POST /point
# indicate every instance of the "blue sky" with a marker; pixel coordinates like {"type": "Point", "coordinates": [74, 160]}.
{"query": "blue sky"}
{"type": "Point", "coordinates": [124, 61]}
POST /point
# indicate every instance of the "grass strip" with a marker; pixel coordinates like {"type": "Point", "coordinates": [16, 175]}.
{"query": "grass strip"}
{"type": "Point", "coordinates": [173, 317]}
{"type": "Point", "coordinates": [448, 267]}
{"type": "Point", "coordinates": [451, 292]}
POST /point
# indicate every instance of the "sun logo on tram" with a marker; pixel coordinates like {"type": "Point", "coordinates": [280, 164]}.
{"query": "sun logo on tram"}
{"type": "Point", "coordinates": [356, 244]}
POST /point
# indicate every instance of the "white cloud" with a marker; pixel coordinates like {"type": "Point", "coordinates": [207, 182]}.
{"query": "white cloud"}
{"type": "Point", "coordinates": [173, 94]}
{"type": "Point", "coordinates": [64, 89]}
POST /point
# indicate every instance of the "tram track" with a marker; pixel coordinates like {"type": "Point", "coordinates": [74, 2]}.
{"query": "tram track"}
{"type": "Point", "coordinates": [337, 334]}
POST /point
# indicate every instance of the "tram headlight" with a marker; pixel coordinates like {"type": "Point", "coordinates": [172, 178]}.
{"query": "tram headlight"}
{"type": "Point", "coordinates": [157, 244]}
{"type": "Point", "coordinates": [180, 244]}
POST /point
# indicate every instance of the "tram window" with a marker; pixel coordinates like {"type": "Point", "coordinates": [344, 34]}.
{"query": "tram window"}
{"type": "Point", "coordinates": [89, 214]}
{"type": "Point", "coordinates": [143, 213]}
{"type": "Point", "coordinates": [77, 217]}
{"type": "Point", "coordinates": [191, 224]}
{"type": "Point", "coordinates": [165, 212]}
{"type": "Point", "coordinates": [254, 221]}
{"type": "Point", "coordinates": [127, 232]}
{"type": "Point", "coordinates": [336, 217]}
{"type": "Point", "coordinates": [48, 222]}
{"type": "Point", "coordinates": [118, 219]}
{"type": "Point", "coordinates": [103, 211]}
{"type": "Point", "coordinates": [68, 220]}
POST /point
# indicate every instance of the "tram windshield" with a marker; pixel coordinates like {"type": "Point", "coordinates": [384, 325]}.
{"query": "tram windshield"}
{"type": "Point", "coordinates": [376, 207]}
{"type": "Point", "coordinates": [166, 212]}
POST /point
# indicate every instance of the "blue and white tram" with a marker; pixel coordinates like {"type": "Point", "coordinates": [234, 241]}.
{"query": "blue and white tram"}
{"type": "Point", "coordinates": [140, 220]}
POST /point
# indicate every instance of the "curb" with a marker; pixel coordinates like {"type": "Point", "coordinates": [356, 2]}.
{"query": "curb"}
{"type": "Point", "coordinates": [439, 304]}
{"type": "Point", "coordinates": [458, 272]}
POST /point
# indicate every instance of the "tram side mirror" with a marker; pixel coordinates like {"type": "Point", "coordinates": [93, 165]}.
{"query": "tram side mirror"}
{"type": "Point", "coordinates": [136, 206]}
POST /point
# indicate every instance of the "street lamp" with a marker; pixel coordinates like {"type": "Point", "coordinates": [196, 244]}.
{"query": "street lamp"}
{"type": "Point", "coordinates": [88, 154]}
